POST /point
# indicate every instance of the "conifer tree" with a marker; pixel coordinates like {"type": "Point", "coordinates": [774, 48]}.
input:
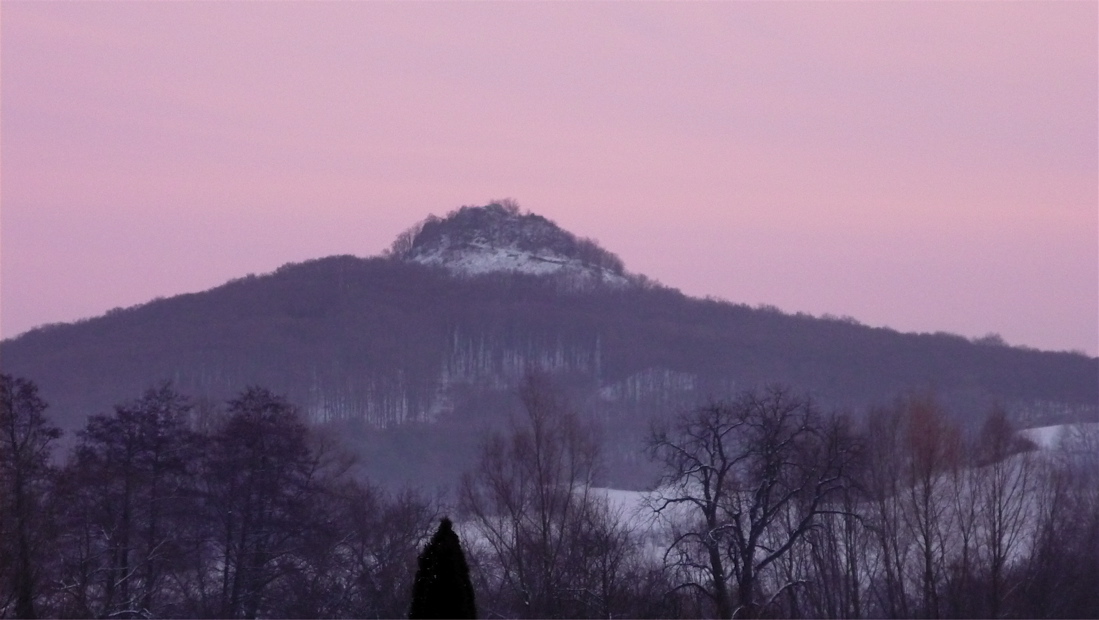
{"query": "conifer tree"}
{"type": "Point", "coordinates": [442, 588]}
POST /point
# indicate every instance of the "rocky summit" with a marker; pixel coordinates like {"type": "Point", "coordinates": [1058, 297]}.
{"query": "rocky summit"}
{"type": "Point", "coordinates": [498, 237]}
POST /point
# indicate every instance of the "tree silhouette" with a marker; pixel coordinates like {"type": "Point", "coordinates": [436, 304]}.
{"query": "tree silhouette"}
{"type": "Point", "coordinates": [129, 486]}
{"type": "Point", "coordinates": [442, 588]}
{"type": "Point", "coordinates": [25, 438]}
{"type": "Point", "coordinates": [757, 473]}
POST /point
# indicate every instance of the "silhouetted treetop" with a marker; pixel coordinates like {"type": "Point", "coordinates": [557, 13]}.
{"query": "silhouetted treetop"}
{"type": "Point", "coordinates": [442, 588]}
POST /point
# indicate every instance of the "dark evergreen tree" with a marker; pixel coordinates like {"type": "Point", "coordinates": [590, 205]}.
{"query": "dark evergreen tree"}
{"type": "Point", "coordinates": [442, 588]}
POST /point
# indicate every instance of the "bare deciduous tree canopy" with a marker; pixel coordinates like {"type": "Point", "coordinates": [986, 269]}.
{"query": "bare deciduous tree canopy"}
{"type": "Point", "coordinates": [768, 507]}
{"type": "Point", "coordinates": [754, 473]}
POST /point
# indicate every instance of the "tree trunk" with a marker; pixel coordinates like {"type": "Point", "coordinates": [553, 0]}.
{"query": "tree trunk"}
{"type": "Point", "coordinates": [721, 588]}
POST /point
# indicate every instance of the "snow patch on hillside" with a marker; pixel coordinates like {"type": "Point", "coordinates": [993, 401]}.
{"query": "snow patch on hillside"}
{"type": "Point", "coordinates": [498, 238]}
{"type": "Point", "coordinates": [1050, 437]}
{"type": "Point", "coordinates": [472, 259]}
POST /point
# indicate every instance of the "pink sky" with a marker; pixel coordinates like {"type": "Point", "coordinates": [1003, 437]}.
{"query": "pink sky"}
{"type": "Point", "coordinates": [929, 166]}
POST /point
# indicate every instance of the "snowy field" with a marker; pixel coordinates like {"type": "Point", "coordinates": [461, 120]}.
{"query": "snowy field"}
{"type": "Point", "coordinates": [1050, 437]}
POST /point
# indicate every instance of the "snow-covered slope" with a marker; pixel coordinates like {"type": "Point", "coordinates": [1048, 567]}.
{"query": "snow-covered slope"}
{"type": "Point", "coordinates": [498, 238]}
{"type": "Point", "coordinates": [475, 258]}
{"type": "Point", "coordinates": [1058, 435]}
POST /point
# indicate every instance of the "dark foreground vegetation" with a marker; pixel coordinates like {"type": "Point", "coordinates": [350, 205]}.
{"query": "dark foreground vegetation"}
{"type": "Point", "coordinates": [768, 506]}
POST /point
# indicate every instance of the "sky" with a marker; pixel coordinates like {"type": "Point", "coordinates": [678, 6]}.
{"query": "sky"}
{"type": "Point", "coordinates": [927, 166]}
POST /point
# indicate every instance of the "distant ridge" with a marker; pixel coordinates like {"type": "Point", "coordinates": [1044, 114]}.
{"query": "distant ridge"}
{"type": "Point", "coordinates": [498, 237]}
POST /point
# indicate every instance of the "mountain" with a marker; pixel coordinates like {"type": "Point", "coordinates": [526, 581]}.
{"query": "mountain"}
{"type": "Point", "coordinates": [412, 356]}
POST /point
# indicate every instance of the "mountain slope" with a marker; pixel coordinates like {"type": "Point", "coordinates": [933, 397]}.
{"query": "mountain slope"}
{"type": "Point", "coordinates": [407, 359]}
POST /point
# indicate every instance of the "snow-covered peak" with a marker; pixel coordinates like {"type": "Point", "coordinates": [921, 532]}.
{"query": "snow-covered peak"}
{"type": "Point", "coordinates": [498, 238]}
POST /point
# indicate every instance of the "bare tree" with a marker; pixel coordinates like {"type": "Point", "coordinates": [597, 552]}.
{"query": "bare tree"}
{"type": "Point", "coordinates": [25, 470]}
{"type": "Point", "coordinates": [755, 475]}
{"type": "Point", "coordinates": [836, 557]}
{"type": "Point", "coordinates": [1004, 483]}
{"type": "Point", "coordinates": [932, 448]}
{"type": "Point", "coordinates": [920, 502]}
{"type": "Point", "coordinates": [551, 549]}
{"type": "Point", "coordinates": [962, 579]}
{"type": "Point", "coordinates": [1058, 577]}
{"type": "Point", "coordinates": [883, 480]}
{"type": "Point", "coordinates": [261, 481]}
{"type": "Point", "coordinates": [698, 474]}
{"type": "Point", "coordinates": [376, 554]}
{"type": "Point", "coordinates": [128, 487]}
{"type": "Point", "coordinates": [406, 240]}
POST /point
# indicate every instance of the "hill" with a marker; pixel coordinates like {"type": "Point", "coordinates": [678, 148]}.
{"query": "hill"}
{"type": "Point", "coordinates": [411, 359]}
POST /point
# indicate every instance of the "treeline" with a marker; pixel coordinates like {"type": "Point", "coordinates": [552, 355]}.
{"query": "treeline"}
{"type": "Point", "coordinates": [772, 507]}
{"type": "Point", "coordinates": [778, 509]}
{"type": "Point", "coordinates": [768, 506]}
{"type": "Point", "coordinates": [161, 510]}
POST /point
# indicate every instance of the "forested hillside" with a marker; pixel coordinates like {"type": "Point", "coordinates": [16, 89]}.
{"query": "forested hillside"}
{"type": "Point", "coordinates": [402, 354]}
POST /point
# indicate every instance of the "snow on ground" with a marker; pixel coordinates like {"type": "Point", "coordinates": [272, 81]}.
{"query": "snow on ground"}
{"type": "Point", "coordinates": [634, 509]}
{"type": "Point", "coordinates": [1049, 437]}
{"type": "Point", "coordinates": [628, 506]}
{"type": "Point", "coordinates": [477, 259]}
